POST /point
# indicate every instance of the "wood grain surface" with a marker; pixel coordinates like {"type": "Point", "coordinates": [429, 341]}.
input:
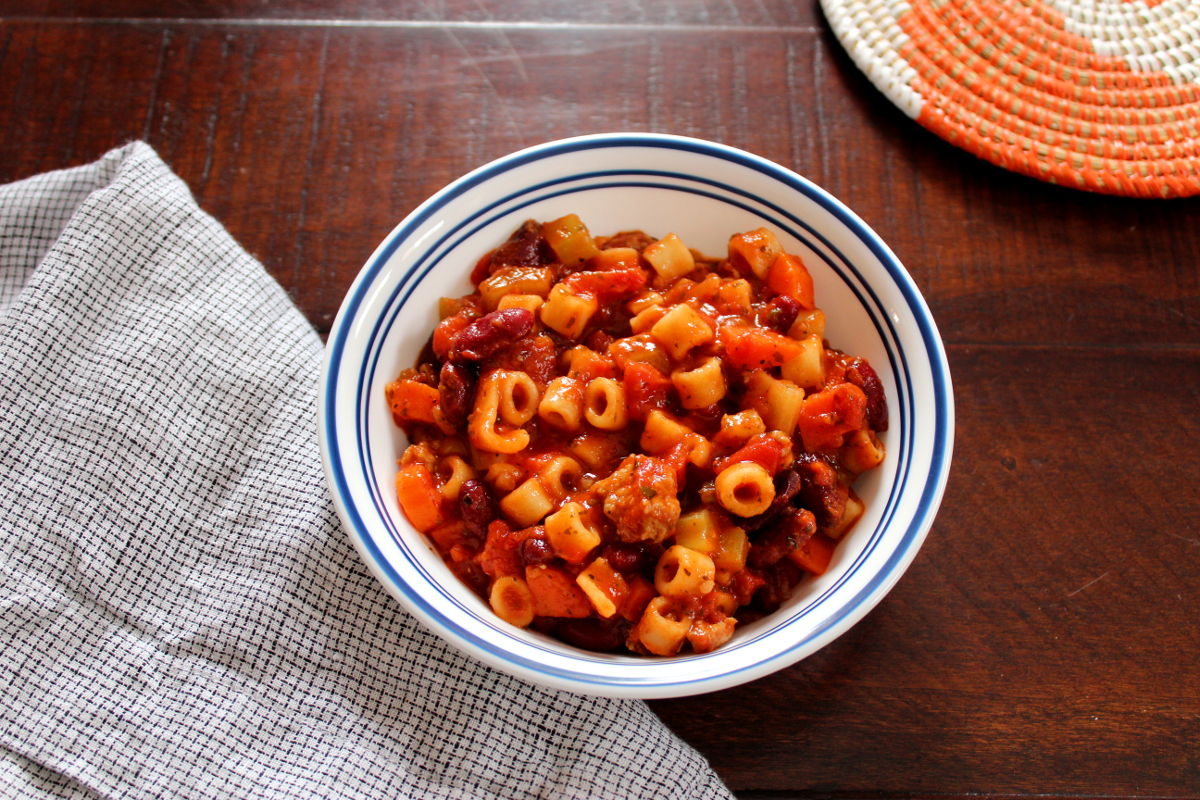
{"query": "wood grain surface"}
{"type": "Point", "coordinates": [1046, 641]}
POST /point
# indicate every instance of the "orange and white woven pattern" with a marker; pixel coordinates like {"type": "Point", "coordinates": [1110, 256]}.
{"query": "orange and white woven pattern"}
{"type": "Point", "coordinates": [1102, 95]}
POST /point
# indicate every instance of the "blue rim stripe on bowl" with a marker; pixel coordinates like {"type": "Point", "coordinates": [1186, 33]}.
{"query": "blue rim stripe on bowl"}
{"type": "Point", "coordinates": [416, 273]}
{"type": "Point", "coordinates": [936, 476]}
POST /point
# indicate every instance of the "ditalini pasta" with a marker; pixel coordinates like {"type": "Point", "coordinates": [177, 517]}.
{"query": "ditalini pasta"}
{"type": "Point", "coordinates": [628, 445]}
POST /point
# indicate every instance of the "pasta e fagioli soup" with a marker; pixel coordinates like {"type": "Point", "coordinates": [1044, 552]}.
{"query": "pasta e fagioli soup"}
{"type": "Point", "coordinates": [629, 445]}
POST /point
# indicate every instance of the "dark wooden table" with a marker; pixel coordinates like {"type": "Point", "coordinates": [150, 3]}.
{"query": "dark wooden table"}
{"type": "Point", "coordinates": [1046, 642]}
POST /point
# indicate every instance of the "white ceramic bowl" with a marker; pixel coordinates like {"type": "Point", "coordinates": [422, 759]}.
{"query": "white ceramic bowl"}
{"type": "Point", "coordinates": [703, 192]}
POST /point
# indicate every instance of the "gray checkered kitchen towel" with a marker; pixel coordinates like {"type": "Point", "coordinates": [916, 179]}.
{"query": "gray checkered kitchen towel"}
{"type": "Point", "coordinates": [180, 613]}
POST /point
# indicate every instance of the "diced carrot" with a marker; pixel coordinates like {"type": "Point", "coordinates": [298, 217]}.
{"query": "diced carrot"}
{"type": "Point", "coordinates": [411, 401]}
{"type": "Point", "coordinates": [641, 592]}
{"type": "Point", "coordinates": [448, 535]}
{"type": "Point", "coordinates": [788, 276]}
{"type": "Point", "coordinates": [555, 593]}
{"type": "Point", "coordinates": [608, 286]}
{"type": "Point", "coordinates": [419, 497]}
{"type": "Point", "coordinates": [814, 555]}
{"type": "Point", "coordinates": [645, 389]}
{"type": "Point", "coordinates": [444, 333]}
{"type": "Point", "coordinates": [850, 403]}
{"type": "Point", "coordinates": [828, 415]}
{"type": "Point", "coordinates": [460, 553]}
{"type": "Point", "coordinates": [749, 347]}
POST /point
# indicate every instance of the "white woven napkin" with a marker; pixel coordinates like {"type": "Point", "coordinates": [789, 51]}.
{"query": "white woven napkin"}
{"type": "Point", "coordinates": [180, 612]}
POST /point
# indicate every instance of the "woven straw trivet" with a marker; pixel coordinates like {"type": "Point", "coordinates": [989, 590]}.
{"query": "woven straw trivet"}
{"type": "Point", "coordinates": [1102, 95]}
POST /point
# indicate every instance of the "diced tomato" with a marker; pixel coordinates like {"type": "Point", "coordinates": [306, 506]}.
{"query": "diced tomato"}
{"type": "Point", "coordinates": [500, 556]}
{"type": "Point", "coordinates": [835, 370]}
{"type": "Point", "coordinates": [480, 272]}
{"type": "Point", "coordinates": [535, 355]}
{"type": "Point", "coordinates": [679, 292]}
{"type": "Point", "coordinates": [677, 457]}
{"type": "Point", "coordinates": [411, 401]}
{"type": "Point", "coordinates": [419, 497]}
{"type": "Point", "coordinates": [645, 389]}
{"type": "Point", "coordinates": [608, 286]}
{"type": "Point", "coordinates": [748, 347]}
{"type": "Point", "coordinates": [555, 593]}
{"type": "Point", "coordinates": [814, 555]}
{"type": "Point", "coordinates": [766, 450]}
{"type": "Point", "coordinates": [587, 365]}
{"type": "Point", "coordinates": [828, 415]}
{"type": "Point", "coordinates": [788, 276]}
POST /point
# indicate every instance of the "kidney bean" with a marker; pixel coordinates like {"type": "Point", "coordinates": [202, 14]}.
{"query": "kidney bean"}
{"type": "Point", "coordinates": [471, 574]}
{"type": "Point", "coordinates": [787, 485]}
{"type": "Point", "coordinates": [782, 312]}
{"type": "Point", "coordinates": [820, 490]}
{"type": "Point", "coordinates": [709, 414]}
{"type": "Point", "coordinates": [454, 392]}
{"type": "Point", "coordinates": [769, 548]}
{"type": "Point", "coordinates": [744, 584]}
{"type": "Point", "coordinates": [476, 507]}
{"type": "Point", "coordinates": [623, 557]}
{"type": "Point", "coordinates": [424, 373]}
{"type": "Point", "coordinates": [638, 240]}
{"type": "Point", "coordinates": [863, 375]}
{"type": "Point", "coordinates": [603, 635]}
{"type": "Point", "coordinates": [536, 550]}
{"type": "Point", "coordinates": [491, 333]}
{"type": "Point", "coordinates": [778, 582]}
{"type": "Point", "coordinates": [792, 530]}
{"type": "Point", "coordinates": [800, 525]}
{"type": "Point", "coordinates": [631, 557]}
{"type": "Point", "coordinates": [525, 248]}
{"type": "Point", "coordinates": [599, 340]}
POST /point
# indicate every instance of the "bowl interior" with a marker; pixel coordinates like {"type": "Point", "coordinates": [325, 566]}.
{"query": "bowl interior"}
{"type": "Point", "coordinates": [703, 193]}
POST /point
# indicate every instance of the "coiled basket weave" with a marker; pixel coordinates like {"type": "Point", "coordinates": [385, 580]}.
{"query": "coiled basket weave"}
{"type": "Point", "coordinates": [1102, 95]}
